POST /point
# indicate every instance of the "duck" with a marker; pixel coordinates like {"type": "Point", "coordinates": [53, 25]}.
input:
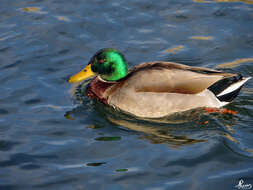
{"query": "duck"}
{"type": "Point", "coordinates": [156, 89]}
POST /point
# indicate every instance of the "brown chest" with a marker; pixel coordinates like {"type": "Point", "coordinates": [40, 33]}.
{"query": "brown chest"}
{"type": "Point", "coordinates": [99, 89]}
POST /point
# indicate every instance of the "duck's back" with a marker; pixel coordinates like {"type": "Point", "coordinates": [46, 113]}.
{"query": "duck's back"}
{"type": "Point", "coordinates": [160, 88]}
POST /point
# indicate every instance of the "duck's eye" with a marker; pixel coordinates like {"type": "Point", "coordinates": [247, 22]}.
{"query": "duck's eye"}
{"type": "Point", "coordinates": [101, 61]}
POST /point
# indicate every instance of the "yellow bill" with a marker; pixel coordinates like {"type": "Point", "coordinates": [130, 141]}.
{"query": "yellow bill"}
{"type": "Point", "coordinates": [82, 75]}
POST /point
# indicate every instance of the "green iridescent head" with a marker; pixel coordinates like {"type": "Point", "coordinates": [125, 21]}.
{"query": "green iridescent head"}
{"type": "Point", "coordinates": [109, 64]}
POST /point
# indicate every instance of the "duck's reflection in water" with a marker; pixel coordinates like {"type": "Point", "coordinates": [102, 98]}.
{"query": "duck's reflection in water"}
{"type": "Point", "coordinates": [157, 134]}
{"type": "Point", "coordinates": [172, 130]}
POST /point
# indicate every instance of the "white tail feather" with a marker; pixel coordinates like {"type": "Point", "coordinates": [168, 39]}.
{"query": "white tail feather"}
{"type": "Point", "coordinates": [234, 86]}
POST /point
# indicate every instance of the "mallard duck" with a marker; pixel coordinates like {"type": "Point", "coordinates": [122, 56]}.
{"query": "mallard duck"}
{"type": "Point", "coordinates": [156, 89]}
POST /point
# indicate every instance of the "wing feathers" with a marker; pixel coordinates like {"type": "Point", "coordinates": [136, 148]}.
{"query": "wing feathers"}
{"type": "Point", "coordinates": [173, 78]}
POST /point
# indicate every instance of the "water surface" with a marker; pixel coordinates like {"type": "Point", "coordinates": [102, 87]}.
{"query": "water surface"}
{"type": "Point", "coordinates": [53, 137]}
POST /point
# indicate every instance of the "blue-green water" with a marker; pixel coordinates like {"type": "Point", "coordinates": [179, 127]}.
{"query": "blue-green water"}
{"type": "Point", "coordinates": [52, 137]}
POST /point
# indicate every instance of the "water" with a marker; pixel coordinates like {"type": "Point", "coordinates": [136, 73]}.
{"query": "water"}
{"type": "Point", "coordinates": [52, 137]}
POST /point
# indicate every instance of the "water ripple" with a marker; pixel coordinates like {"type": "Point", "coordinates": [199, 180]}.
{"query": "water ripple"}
{"type": "Point", "coordinates": [53, 137]}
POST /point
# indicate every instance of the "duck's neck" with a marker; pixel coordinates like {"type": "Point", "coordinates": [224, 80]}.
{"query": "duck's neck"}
{"type": "Point", "coordinates": [97, 88]}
